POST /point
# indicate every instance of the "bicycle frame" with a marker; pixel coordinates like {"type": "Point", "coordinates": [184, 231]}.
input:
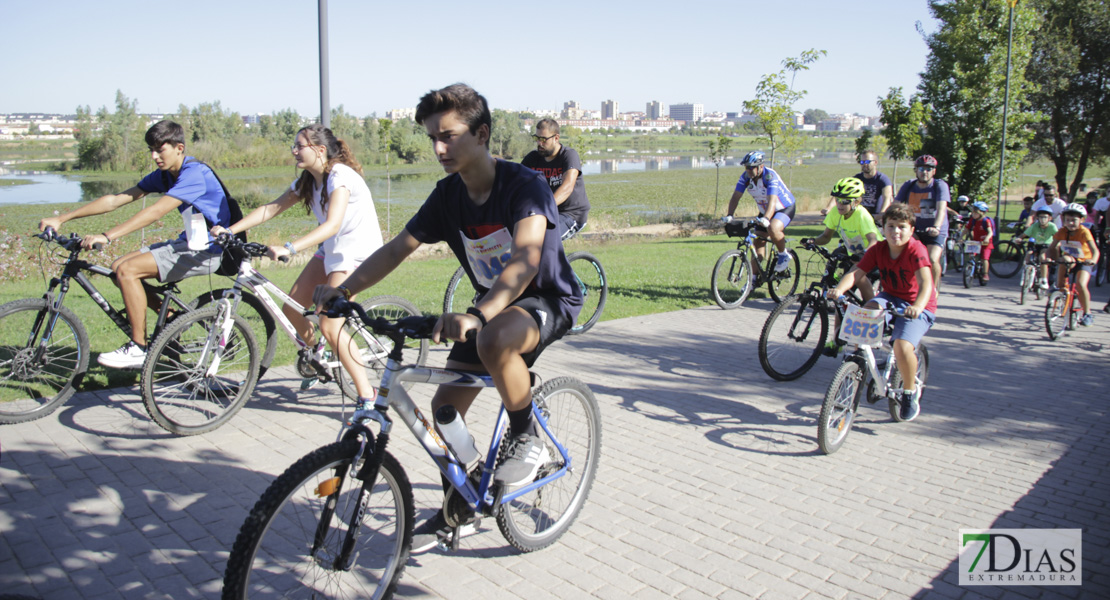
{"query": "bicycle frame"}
{"type": "Point", "coordinates": [262, 287]}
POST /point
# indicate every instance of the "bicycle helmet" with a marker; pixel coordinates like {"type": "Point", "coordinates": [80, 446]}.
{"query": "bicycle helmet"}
{"type": "Point", "coordinates": [1076, 208]}
{"type": "Point", "coordinates": [925, 160]}
{"type": "Point", "coordinates": [1044, 210]}
{"type": "Point", "coordinates": [980, 206]}
{"type": "Point", "coordinates": [849, 187]}
{"type": "Point", "coordinates": [752, 159]}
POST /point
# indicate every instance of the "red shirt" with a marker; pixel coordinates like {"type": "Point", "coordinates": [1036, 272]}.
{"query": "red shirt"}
{"type": "Point", "coordinates": [979, 231]}
{"type": "Point", "coordinates": [899, 275]}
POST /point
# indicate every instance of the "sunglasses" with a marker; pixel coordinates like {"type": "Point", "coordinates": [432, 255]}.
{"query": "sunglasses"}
{"type": "Point", "coordinates": [866, 162]}
{"type": "Point", "coordinates": [844, 201]}
{"type": "Point", "coordinates": [923, 169]}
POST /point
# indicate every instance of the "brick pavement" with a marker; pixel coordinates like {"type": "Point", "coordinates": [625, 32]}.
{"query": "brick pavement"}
{"type": "Point", "coordinates": [710, 485]}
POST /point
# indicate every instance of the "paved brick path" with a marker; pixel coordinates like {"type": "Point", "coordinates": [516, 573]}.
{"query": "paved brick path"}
{"type": "Point", "coordinates": [711, 484]}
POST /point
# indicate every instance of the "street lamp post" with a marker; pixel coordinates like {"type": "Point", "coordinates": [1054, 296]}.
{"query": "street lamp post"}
{"type": "Point", "coordinates": [1005, 118]}
{"type": "Point", "coordinates": [325, 111]}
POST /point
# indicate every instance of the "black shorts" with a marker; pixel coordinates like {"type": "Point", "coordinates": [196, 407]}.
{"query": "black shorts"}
{"type": "Point", "coordinates": [553, 325]}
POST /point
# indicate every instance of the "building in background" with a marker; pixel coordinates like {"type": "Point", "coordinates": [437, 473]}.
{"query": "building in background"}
{"type": "Point", "coordinates": [572, 110]}
{"type": "Point", "coordinates": [654, 110]}
{"type": "Point", "coordinates": [609, 109]}
{"type": "Point", "coordinates": [687, 112]}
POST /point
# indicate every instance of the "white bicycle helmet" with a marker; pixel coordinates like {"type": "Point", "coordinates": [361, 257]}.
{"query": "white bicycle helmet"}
{"type": "Point", "coordinates": [1076, 208]}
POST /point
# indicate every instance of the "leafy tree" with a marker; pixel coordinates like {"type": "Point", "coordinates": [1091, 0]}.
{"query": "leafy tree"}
{"type": "Point", "coordinates": [111, 141]}
{"type": "Point", "coordinates": [863, 142]}
{"type": "Point", "coordinates": [1071, 66]}
{"type": "Point", "coordinates": [286, 125]}
{"type": "Point", "coordinates": [902, 124]}
{"type": "Point", "coordinates": [345, 126]}
{"type": "Point", "coordinates": [718, 150]}
{"type": "Point", "coordinates": [814, 116]}
{"type": "Point", "coordinates": [774, 101]}
{"type": "Point", "coordinates": [964, 77]}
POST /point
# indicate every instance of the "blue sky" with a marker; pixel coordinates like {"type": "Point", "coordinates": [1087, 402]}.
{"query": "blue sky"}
{"type": "Point", "coordinates": [261, 56]}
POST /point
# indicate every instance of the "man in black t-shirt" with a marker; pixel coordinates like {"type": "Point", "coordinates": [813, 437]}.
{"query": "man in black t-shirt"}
{"type": "Point", "coordinates": [878, 190]}
{"type": "Point", "coordinates": [562, 168]}
{"type": "Point", "coordinates": [499, 219]}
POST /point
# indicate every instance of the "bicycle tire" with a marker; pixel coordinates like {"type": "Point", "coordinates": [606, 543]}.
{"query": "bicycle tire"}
{"type": "Point", "coordinates": [788, 347]}
{"type": "Point", "coordinates": [838, 410]}
{"type": "Point", "coordinates": [456, 291]}
{"type": "Point", "coordinates": [374, 351]}
{"type": "Point", "coordinates": [970, 270]}
{"type": "Point", "coordinates": [732, 279]}
{"type": "Point", "coordinates": [535, 520]}
{"type": "Point", "coordinates": [921, 377]}
{"type": "Point", "coordinates": [258, 317]}
{"type": "Point", "coordinates": [1101, 266]}
{"type": "Point", "coordinates": [1006, 259]}
{"type": "Point", "coordinates": [785, 283]}
{"type": "Point", "coordinates": [1054, 321]}
{"type": "Point", "coordinates": [29, 388]}
{"type": "Point", "coordinates": [177, 394]}
{"type": "Point", "coordinates": [1028, 280]}
{"type": "Point", "coordinates": [271, 553]}
{"type": "Point", "coordinates": [595, 290]}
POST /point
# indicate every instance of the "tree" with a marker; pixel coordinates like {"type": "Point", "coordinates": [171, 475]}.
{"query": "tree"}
{"type": "Point", "coordinates": [814, 116]}
{"type": "Point", "coordinates": [964, 77]}
{"type": "Point", "coordinates": [774, 101]}
{"type": "Point", "coordinates": [718, 150]}
{"type": "Point", "coordinates": [903, 122]}
{"type": "Point", "coordinates": [1071, 66]}
{"type": "Point", "coordinates": [863, 142]}
{"type": "Point", "coordinates": [111, 141]}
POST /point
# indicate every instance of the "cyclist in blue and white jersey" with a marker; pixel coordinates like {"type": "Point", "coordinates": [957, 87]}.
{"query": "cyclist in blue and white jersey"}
{"type": "Point", "coordinates": [774, 200]}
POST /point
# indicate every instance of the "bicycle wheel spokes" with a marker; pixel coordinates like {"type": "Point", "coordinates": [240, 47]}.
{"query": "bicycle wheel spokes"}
{"type": "Point", "coordinates": [782, 283]}
{"type": "Point", "coordinates": [732, 279]}
{"type": "Point", "coordinates": [793, 337]}
{"type": "Point", "coordinates": [373, 351]}
{"type": "Point", "coordinates": [37, 375]}
{"type": "Point", "coordinates": [839, 408]}
{"type": "Point", "coordinates": [1055, 318]}
{"type": "Point", "coordinates": [290, 544]}
{"type": "Point", "coordinates": [1006, 260]}
{"type": "Point", "coordinates": [537, 519]}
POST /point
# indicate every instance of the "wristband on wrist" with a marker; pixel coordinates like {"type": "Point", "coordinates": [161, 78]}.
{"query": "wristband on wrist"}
{"type": "Point", "coordinates": [290, 248]}
{"type": "Point", "coordinates": [346, 291]}
{"type": "Point", "coordinates": [473, 310]}
{"type": "Point", "coordinates": [107, 238]}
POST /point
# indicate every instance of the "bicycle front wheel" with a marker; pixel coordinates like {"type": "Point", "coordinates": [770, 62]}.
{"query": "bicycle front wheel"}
{"type": "Point", "coordinates": [783, 283]}
{"type": "Point", "coordinates": [1006, 260]}
{"type": "Point", "coordinates": [1055, 317]}
{"type": "Point", "coordinates": [290, 542]}
{"type": "Point", "coordinates": [372, 351]}
{"type": "Point", "coordinates": [184, 388]}
{"type": "Point", "coordinates": [793, 337]}
{"type": "Point", "coordinates": [1028, 280]}
{"type": "Point", "coordinates": [535, 520]}
{"type": "Point", "coordinates": [41, 363]}
{"type": "Point", "coordinates": [971, 271]}
{"type": "Point", "coordinates": [1101, 266]}
{"type": "Point", "coordinates": [839, 408]}
{"type": "Point", "coordinates": [590, 277]}
{"type": "Point", "coordinates": [732, 279]}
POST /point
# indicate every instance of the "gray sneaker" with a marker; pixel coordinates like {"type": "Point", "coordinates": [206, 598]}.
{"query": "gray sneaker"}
{"type": "Point", "coordinates": [1087, 320]}
{"type": "Point", "coordinates": [910, 407]}
{"type": "Point", "coordinates": [525, 455]}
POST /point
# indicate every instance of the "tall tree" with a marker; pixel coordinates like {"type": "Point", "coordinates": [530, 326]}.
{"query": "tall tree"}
{"type": "Point", "coordinates": [1071, 66]}
{"type": "Point", "coordinates": [773, 105]}
{"type": "Point", "coordinates": [964, 77]}
{"type": "Point", "coordinates": [903, 121]}
{"type": "Point", "coordinates": [111, 141]}
{"type": "Point", "coordinates": [814, 116]}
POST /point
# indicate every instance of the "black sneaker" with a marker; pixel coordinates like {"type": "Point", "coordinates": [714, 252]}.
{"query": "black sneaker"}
{"type": "Point", "coordinates": [909, 407]}
{"type": "Point", "coordinates": [525, 455]}
{"type": "Point", "coordinates": [435, 531]}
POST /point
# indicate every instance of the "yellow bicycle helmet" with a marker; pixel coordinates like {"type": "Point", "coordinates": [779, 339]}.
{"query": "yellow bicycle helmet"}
{"type": "Point", "coordinates": [849, 187]}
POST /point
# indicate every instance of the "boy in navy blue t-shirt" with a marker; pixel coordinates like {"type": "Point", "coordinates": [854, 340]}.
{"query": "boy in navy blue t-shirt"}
{"type": "Point", "coordinates": [188, 186]}
{"type": "Point", "coordinates": [500, 220]}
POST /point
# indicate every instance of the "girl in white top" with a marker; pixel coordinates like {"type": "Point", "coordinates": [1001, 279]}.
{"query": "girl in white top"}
{"type": "Point", "coordinates": [347, 233]}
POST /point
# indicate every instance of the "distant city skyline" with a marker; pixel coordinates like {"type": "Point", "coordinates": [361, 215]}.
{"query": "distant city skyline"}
{"type": "Point", "coordinates": [261, 57]}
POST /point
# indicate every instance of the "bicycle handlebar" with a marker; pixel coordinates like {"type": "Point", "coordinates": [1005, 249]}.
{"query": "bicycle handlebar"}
{"type": "Point", "coordinates": [416, 327]}
{"type": "Point", "coordinates": [898, 311]}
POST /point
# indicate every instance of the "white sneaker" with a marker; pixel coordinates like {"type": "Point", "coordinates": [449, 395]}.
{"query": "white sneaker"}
{"type": "Point", "coordinates": [783, 262]}
{"type": "Point", "coordinates": [128, 356]}
{"type": "Point", "coordinates": [1043, 284]}
{"type": "Point", "coordinates": [527, 453]}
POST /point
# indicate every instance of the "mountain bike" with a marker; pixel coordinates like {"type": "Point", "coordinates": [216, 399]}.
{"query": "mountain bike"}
{"type": "Point", "coordinates": [1007, 258]}
{"type": "Point", "coordinates": [1060, 314]}
{"type": "Point", "coordinates": [202, 369]}
{"type": "Point", "coordinates": [339, 521]}
{"type": "Point", "coordinates": [44, 346]}
{"type": "Point", "coordinates": [588, 274]}
{"type": "Point", "coordinates": [733, 278]}
{"type": "Point", "coordinates": [1031, 272]}
{"type": "Point", "coordinates": [973, 265]}
{"type": "Point", "coordinates": [861, 375]}
{"type": "Point", "coordinates": [796, 331]}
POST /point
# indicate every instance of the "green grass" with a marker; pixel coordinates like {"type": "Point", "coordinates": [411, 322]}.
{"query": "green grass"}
{"type": "Point", "coordinates": [8, 182]}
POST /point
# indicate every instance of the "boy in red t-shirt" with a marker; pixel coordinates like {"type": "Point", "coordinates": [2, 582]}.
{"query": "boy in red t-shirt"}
{"type": "Point", "coordinates": [980, 228]}
{"type": "Point", "coordinates": [907, 283]}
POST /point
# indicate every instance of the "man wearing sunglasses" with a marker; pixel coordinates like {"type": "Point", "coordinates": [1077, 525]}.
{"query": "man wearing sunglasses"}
{"type": "Point", "coordinates": [878, 190]}
{"type": "Point", "coordinates": [562, 168]}
{"type": "Point", "coordinates": [774, 201]}
{"type": "Point", "coordinates": [1049, 201]}
{"type": "Point", "coordinates": [928, 197]}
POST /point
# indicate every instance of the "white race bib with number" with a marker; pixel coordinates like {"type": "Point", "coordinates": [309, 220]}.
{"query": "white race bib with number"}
{"type": "Point", "coordinates": [972, 247]}
{"type": "Point", "coordinates": [196, 230]}
{"type": "Point", "coordinates": [862, 326]}
{"type": "Point", "coordinates": [1074, 249]}
{"type": "Point", "coordinates": [488, 255]}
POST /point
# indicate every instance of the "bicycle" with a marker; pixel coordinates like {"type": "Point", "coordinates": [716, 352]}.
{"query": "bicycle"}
{"type": "Point", "coordinates": [732, 278]}
{"type": "Point", "coordinates": [1007, 258]}
{"type": "Point", "coordinates": [1060, 311]}
{"type": "Point", "coordinates": [795, 333]}
{"type": "Point", "coordinates": [954, 255]}
{"type": "Point", "coordinates": [44, 346]}
{"type": "Point", "coordinates": [588, 273]}
{"type": "Point", "coordinates": [339, 521]}
{"type": "Point", "coordinates": [1031, 273]}
{"type": "Point", "coordinates": [861, 374]}
{"type": "Point", "coordinates": [201, 370]}
{"type": "Point", "coordinates": [973, 265]}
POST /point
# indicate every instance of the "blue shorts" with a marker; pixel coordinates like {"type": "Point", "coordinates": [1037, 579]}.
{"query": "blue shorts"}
{"type": "Point", "coordinates": [911, 330]}
{"type": "Point", "coordinates": [785, 216]}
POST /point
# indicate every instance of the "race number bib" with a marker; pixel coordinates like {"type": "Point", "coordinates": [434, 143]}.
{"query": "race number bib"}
{"type": "Point", "coordinates": [196, 230]}
{"type": "Point", "coordinates": [1074, 249]}
{"type": "Point", "coordinates": [488, 255]}
{"type": "Point", "coordinates": [972, 247]}
{"type": "Point", "coordinates": [854, 245]}
{"type": "Point", "coordinates": [862, 326]}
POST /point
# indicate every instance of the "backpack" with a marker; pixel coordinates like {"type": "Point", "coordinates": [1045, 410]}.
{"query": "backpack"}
{"type": "Point", "coordinates": [229, 264]}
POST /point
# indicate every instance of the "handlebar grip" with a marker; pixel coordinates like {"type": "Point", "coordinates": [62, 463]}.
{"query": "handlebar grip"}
{"type": "Point", "coordinates": [98, 246]}
{"type": "Point", "coordinates": [470, 334]}
{"type": "Point", "coordinates": [284, 259]}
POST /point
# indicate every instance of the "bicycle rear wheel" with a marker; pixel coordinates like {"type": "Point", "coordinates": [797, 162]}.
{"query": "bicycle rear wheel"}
{"type": "Point", "coordinates": [535, 520]}
{"type": "Point", "coordinates": [838, 411]}
{"type": "Point", "coordinates": [793, 337]}
{"type": "Point", "coordinates": [182, 391]}
{"type": "Point", "coordinates": [590, 277]}
{"type": "Point", "coordinates": [289, 544]}
{"type": "Point", "coordinates": [1006, 259]}
{"type": "Point", "coordinates": [783, 283]}
{"type": "Point", "coordinates": [460, 295]}
{"type": "Point", "coordinates": [1101, 275]}
{"type": "Point", "coordinates": [372, 351]}
{"type": "Point", "coordinates": [732, 279]}
{"type": "Point", "coordinates": [1055, 319]}
{"type": "Point", "coordinates": [40, 367]}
